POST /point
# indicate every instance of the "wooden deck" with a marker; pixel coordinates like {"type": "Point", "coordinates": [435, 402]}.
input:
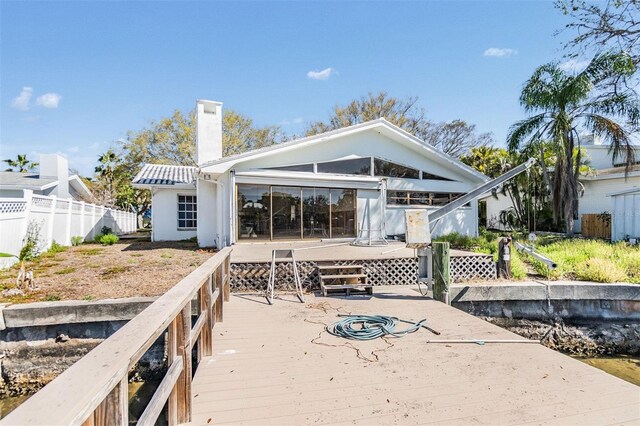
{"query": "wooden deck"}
{"type": "Point", "coordinates": [326, 250]}
{"type": "Point", "coordinates": [266, 369]}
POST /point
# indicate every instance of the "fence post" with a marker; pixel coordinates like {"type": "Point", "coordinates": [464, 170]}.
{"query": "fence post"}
{"type": "Point", "coordinates": [82, 231]}
{"type": "Point", "coordinates": [441, 271]}
{"type": "Point", "coordinates": [67, 222]}
{"type": "Point", "coordinates": [504, 258]}
{"type": "Point", "coordinates": [52, 220]}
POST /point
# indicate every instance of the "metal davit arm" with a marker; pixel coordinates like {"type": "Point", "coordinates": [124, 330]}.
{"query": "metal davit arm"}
{"type": "Point", "coordinates": [479, 191]}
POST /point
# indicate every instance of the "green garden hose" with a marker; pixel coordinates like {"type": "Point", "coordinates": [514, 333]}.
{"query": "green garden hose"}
{"type": "Point", "coordinates": [369, 327]}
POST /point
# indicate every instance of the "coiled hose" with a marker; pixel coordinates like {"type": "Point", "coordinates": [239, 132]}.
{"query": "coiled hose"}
{"type": "Point", "coordinates": [369, 327]}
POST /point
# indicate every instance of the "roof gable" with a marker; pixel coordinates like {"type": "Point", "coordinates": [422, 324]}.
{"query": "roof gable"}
{"type": "Point", "coordinates": [162, 174]}
{"type": "Point", "coordinates": [382, 126]}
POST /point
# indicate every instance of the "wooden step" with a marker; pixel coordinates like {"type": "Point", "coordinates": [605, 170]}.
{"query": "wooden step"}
{"type": "Point", "coordinates": [342, 276]}
{"type": "Point", "coordinates": [330, 267]}
{"type": "Point", "coordinates": [343, 286]}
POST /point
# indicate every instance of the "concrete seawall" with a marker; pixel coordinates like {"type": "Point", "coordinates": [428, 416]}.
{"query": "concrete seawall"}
{"type": "Point", "coordinates": [535, 300]}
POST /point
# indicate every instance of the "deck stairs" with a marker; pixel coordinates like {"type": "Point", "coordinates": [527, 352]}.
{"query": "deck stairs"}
{"type": "Point", "coordinates": [343, 279]}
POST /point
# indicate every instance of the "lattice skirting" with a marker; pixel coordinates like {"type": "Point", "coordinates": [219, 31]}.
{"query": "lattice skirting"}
{"type": "Point", "coordinates": [402, 271]}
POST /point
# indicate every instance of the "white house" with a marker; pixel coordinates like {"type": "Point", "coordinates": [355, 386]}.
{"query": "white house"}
{"type": "Point", "coordinates": [348, 183]}
{"type": "Point", "coordinates": [52, 179]}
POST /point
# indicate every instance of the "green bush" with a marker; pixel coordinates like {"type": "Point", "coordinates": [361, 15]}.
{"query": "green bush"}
{"type": "Point", "coordinates": [56, 248]}
{"type": "Point", "coordinates": [106, 230]}
{"type": "Point", "coordinates": [108, 239]}
{"type": "Point", "coordinates": [77, 240]}
{"type": "Point", "coordinates": [600, 270]}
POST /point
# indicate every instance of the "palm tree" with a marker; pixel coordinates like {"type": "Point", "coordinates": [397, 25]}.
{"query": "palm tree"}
{"type": "Point", "coordinates": [564, 106]}
{"type": "Point", "coordinates": [21, 163]}
{"type": "Point", "coordinates": [105, 171]}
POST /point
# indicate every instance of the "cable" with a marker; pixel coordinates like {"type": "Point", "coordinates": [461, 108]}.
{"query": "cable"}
{"type": "Point", "coordinates": [369, 327]}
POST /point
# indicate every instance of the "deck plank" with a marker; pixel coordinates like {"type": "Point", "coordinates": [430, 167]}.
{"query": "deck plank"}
{"type": "Point", "coordinates": [266, 370]}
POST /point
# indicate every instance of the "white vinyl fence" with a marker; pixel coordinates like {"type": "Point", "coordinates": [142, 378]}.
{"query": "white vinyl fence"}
{"type": "Point", "coordinates": [57, 219]}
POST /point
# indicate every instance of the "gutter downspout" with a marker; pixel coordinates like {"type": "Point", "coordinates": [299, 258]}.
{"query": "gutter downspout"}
{"type": "Point", "coordinates": [219, 197]}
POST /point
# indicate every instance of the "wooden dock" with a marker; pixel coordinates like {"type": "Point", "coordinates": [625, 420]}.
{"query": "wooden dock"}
{"type": "Point", "coordinates": [275, 365]}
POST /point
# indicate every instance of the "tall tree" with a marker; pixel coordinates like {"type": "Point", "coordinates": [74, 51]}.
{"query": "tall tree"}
{"type": "Point", "coordinates": [21, 164]}
{"type": "Point", "coordinates": [563, 106]}
{"type": "Point", "coordinates": [105, 173]}
{"type": "Point", "coordinates": [454, 138]}
{"type": "Point", "coordinates": [601, 26]}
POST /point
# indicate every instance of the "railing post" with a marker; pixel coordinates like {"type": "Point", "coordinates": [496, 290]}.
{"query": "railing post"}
{"type": "Point", "coordinates": [219, 281]}
{"type": "Point", "coordinates": [183, 349]}
{"type": "Point", "coordinates": [227, 277]}
{"type": "Point", "coordinates": [172, 354]}
{"type": "Point", "coordinates": [114, 410]}
{"type": "Point", "coordinates": [205, 347]}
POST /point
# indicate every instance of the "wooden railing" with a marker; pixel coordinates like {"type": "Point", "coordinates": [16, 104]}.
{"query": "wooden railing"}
{"type": "Point", "coordinates": [94, 390]}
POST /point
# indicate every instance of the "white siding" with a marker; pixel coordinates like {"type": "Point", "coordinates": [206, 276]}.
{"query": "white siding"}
{"type": "Point", "coordinates": [596, 200]}
{"type": "Point", "coordinates": [164, 215]}
{"type": "Point", "coordinates": [625, 218]}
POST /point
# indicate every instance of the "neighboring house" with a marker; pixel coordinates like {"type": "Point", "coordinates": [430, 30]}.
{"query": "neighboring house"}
{"type": "Point", "coordinates": [352, 182]}
{"type": "Point", "coordinates": [599, 186]}
{"type": "Point", "coordinates": [52, 179]}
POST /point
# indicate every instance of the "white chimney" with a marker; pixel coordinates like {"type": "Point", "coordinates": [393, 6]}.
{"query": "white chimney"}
{"type": "Point", "coordinates": [54, 166]}
{"type": "Point", "coordinates": [208, 131]}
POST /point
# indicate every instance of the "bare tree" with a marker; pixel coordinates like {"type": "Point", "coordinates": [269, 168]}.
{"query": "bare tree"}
{"type": "Point", "coordinates": [457, 137]}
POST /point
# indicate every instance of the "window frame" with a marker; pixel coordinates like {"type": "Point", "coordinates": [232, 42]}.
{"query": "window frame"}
{"type": "Point", "coordinates": [194, 211]}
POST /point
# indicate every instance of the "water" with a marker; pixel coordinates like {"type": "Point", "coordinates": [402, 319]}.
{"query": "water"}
{"type": "Point", "coordinates": [622, 366]}
{"type": "Point", "coordinates": [140, 394]}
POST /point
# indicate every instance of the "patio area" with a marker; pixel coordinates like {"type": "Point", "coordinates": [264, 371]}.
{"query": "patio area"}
{"type": "Point", "coordinates": [276, 365]}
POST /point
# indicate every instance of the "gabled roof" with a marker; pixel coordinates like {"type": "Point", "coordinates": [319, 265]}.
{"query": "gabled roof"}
{"type": "Point", "coordinates": [383, 126]}
{"type": "Point", "coordinates": [32, 181]}
{"type": "Point", "coordinates": [162, 174]}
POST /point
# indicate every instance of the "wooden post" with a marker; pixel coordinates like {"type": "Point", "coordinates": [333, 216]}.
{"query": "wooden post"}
{"type": "Point", "coordinates": [227, 278]}
{"type": "Point", "coordinates": [219, 279]}
{"type": "Point", "coordinates": [205, 347]}
{"type": "Point", "coordinates": [114, 410]}
{"type": "Point", "coordinates": [172, 354]}
{"type": "Point", "coordinates": [441, 271]}
{"type": "Point", "coordinates": [183, 385]}
{"type": "Point", "coordinates": [504, 258]}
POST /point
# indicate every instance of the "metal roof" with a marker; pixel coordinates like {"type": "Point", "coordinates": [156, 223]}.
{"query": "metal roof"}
{"type": "Point", "coordinates": [633, 190]}
{"type": "Point", "coordinates": [32, 181]}
{"type": "Point", "coordinates": [162, 174]}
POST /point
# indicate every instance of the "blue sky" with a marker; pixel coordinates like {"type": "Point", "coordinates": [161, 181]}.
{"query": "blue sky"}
{"type": "Point", "coordinates": [94, 70]}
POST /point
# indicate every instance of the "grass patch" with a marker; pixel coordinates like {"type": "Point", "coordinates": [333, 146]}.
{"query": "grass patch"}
{"type": "Point", "coordinates": [115, 270]}
{"type": "Point", "coordinates": [65, 271]}
{"type": "Point", "coordinates": [90, 251]}
{"type": "Point", "coordinates": [52, 298]}
{"type": "Point", "coordinates": [166, 255]}
{"type": "Point", "coordinates": [137, 254]}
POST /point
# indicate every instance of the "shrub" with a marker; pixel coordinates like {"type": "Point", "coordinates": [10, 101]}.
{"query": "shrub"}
{"type": "Point", "coordinates": [106, 230]}
{"type": "Point", "coordinates": [56, 248]}
{"type": "Point", "coordinates": [600, 270]}
{"type": "Point", "coordinates": [108, 239]}
{"type": "Point", "coordinates": [31, 243]}
{"type": "Point", "coordinates": [76, 240]}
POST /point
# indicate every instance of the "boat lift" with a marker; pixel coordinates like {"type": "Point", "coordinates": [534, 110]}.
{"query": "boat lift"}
{"type": "Point", "coordinates": [420, 223]}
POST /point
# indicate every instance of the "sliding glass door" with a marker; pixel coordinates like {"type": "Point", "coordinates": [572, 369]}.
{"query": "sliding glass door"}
{"type": "Point", "coordinates": [292, 212]}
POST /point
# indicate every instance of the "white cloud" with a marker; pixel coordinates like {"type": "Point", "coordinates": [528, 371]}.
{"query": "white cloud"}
{"type": "Point", "coordinates": [321, 75]}
{"type": "Point", "coordinates": [21, 101]}
{"type": "Point", "coordinates": [573, 65]}
{"type": "Point", "coordinates": [499, 52]}
{"type": "Point", "coordinates": [49, 100]}
{"type": "Point", "coordinates": [297, 120]}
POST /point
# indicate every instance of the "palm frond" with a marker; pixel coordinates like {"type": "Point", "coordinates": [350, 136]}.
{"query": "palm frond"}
{"type": "Point", "coordinates": [520, 130]}
{"type": "Point", "coordinates": [615, 135]}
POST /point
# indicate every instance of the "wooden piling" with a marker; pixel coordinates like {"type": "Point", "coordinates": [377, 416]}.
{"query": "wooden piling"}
{"type": "Point", "coordinates": [441, 271]}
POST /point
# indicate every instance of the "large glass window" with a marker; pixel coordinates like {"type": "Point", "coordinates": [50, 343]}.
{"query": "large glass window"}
{"type": "Point", "coordinates": [254, 203]}
{"type": "Point", "coordinates": [421, 198]}
{"type": "Point", "coordinates": [431, 176]}
{"type": "Point", "coordinates": [294, 168]}
{"type": "Point", "coordinates": [285, 212]}
{"type": "Point", "coordinates": [357, 166]}
{"type": "Point", "coordinates": [187, 211]}
{"type": "Point", "coordinates": [315, 208]}
{"type": "Point", "coordinates": [343, 217]}
{"type": "Point", "coordinates": [293, 212]}
{"type": "Point", "coordinates": [389, 169]}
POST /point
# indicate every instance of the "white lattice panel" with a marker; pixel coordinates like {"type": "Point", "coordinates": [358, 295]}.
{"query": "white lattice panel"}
{"type": "Point", "coordinates": [13, 206]}
{"type": "Point", "coordinates": [44, 203]}
{"type": "Point", "coordinates": [401, 271]}
{"type": "Point", "coordinates": [62, 205]}
{"type": "Point", "coordinates": [76, 207]}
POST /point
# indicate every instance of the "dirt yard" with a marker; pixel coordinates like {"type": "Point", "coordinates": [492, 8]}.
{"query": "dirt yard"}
{"type": "Point", "coordinates": [92, 271]}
